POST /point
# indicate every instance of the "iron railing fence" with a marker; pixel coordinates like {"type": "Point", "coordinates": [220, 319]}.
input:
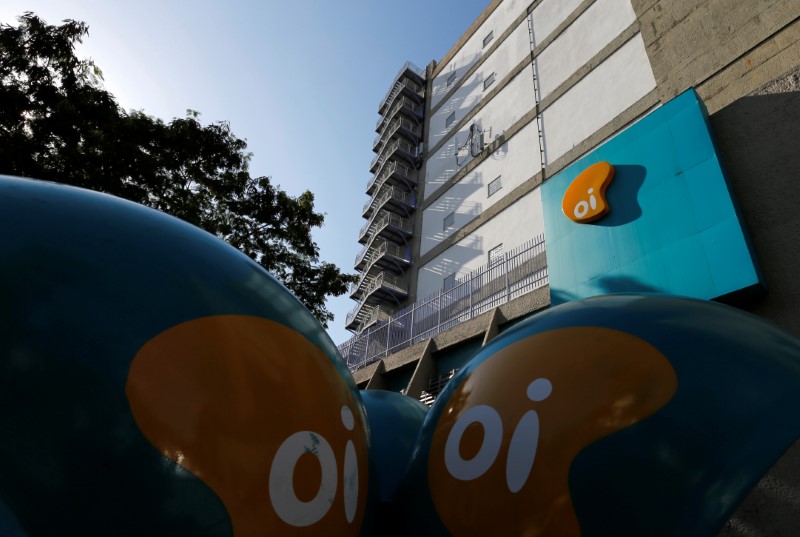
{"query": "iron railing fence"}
{"type": "Point", "coordinates": [518, 272]}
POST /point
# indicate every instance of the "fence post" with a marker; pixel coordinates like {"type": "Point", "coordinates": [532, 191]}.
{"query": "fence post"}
{"type": "Point", "coordinates": [470, 296]}
{"type": "Point", "coordinates": [438, 312]}
{"type": "Point", "coordinates": [366, 350]}
{"type": "Point", "coordinates": [411, 324]}
{"type": "Point", "coordinates": [388, 333]}
{"type": "Point", "coordinates": [505, 267]}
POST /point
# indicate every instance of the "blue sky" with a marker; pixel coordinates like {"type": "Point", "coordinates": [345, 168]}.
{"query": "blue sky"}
{"type": "Point", "coordinates": [299, 80]}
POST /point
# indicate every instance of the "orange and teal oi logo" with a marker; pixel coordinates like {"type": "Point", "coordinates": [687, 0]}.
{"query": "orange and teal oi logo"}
{"type": "Point", "coordinates": [585, 201]}
{"type": "Point", "coordinates": [501, 451]}
{"type": "Point", "coordinates": [259, 414]}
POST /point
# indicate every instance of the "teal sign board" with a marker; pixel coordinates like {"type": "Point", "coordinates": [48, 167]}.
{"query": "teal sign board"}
{"type": "Point", "coordinates": [673, 225]}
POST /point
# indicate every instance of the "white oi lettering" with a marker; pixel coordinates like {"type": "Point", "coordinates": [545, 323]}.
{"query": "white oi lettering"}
{"type": "Point", "coordinates": [521, 450]}
{"type": "Point", "coordinates": [582, 207]}
{"type": "Point", "coordinates": [284, 499]}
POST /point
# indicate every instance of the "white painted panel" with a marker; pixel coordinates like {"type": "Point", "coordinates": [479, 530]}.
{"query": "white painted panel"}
{"type": "Point", "coordinates": [442, 166]}
{"type": "Point", "coordinates": [520, 222]}
{"type": "Point", "coordinates": [599, 97]}
{"type": "Point", "coordinates": [514, 162]}
{"type": "Point", "coordinates": [595, 28]}
{"type": "Point", "coordinates": [469, 94]}
{"type": "Point", "coordinates": [498, 22]}
{"type": "Point", "coordinates": [549, 14]}
{"type": "Point", "coordinates": [508, 106]}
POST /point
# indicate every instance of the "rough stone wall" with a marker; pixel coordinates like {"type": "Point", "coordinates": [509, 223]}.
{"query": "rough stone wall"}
{"type": "Point", "coordinates": [724, 48]}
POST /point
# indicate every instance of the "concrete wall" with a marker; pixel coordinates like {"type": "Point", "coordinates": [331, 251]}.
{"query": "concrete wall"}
{"type": "Point", "coordinates": [725, 48]}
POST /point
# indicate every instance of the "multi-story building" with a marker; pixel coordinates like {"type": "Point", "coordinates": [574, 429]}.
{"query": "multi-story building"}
{"type": "Point", "coordinates": [462, 235]}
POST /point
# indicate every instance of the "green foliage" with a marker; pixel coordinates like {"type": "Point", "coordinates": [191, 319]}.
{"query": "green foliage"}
{"type": "Point", "coordinates": [58, 123]}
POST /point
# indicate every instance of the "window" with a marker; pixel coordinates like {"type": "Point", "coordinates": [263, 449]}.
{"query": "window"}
{"type": "Point", "coordinates": [488, 81]}
{"type": "Point", "coordinates": [448, 221]}
{"type": "Point", "coordinates": [450, 119]}
{"type": "Point", "coordinates": [495, 185]}
{"type": "Point", "coordinates": [496, 254]}
{"type": "Point", "coordinates": [451, 79]}
{"type": "Point", "coordinates": [449, 282]}
{"type": "Point", "coordinates": [488, 39]}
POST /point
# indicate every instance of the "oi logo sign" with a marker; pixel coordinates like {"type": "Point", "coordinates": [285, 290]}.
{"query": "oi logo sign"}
{"type": "Point", "coordinates": [584, 201]}
{"type": "Point", "coordinates": [500, 452]}
{"type": "Point", "coordinates": [221, 397]}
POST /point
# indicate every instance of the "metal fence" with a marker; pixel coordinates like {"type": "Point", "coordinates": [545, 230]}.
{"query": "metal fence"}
{"type": "Point", "coordinates": [517, 272]}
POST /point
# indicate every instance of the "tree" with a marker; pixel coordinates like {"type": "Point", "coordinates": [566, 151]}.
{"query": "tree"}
{"type": "Point", "coordinates": [58, 123]}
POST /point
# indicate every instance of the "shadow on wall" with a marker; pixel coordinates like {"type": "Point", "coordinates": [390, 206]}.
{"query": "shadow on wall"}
{"type": "Point", "coordinates": [440, 82]}
{"type": "Point", "coordinates": [758, 142]}
{"type": "Point", "coordinates": [758, 139]}
{"type": "Point", "coordinates": [459, 255]}
{"type": "Point", "coordinates": [455, 203]}
{"type": "Point", "coordinates": [623, 194]}
{"type": "Point", "coordinates": [458, 104]}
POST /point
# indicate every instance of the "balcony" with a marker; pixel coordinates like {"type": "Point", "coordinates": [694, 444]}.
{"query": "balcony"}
{"type": "Point", "coordinates": [378, 313]}
{"type": "Point", "coordinates": [409, 74]}
{"type": "Point", "coordinates": [391, 198]}
{"type": "Point", "coordinates": [359, 320]}
{"type": "Point", "coordinates": [400, 148]}
{"type": "Point", "coordinates": [357, 316]}
{"type": "Point", "coordinates": [357, 289]}
{"type": "Point", "coordinates": [395, 173]}
{"type": "Point", "coordinates": [407, 106]}
{"type": "Point", "coordinates": [387, 225]}
{"type": "Point", "coordinates": [384, 255]}
{"type": "Point", "coordinates": [384, 288]}
{"type": "Point", "coordinates": [411, 130]}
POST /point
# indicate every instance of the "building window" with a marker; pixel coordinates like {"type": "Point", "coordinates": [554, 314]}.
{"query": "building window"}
{"type": "Point", "coordinates": [448, 221]}
{"type": "Point", "coordinates": [451, 79]}
{"type": "Point", "coordinates": [450, 119]}
{"type": "Point", "coordinates": [488, 81]}
{"type": "Point", "coordinates": [488, 39]}
{"type": "Point", "coordinates": [495, 185]}
{"type": "Point", "coordinates": [496, 255]}
{"type": "Point", "coordinates": [449, 282]}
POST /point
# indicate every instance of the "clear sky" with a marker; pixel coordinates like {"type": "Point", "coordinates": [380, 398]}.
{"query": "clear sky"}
{"type": "Point", "coordinates": [299, 80]}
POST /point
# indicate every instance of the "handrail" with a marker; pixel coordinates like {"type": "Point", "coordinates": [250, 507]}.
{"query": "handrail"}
{"type": "Point", "coordinates": [405, 101]}
{"type": "Point", "coordinates": [384, 247]}
{"type": "Point", "coordinates": [384, 174]}
{"type": "Point", "coordinates": [406, 66]}
{"type": "Point", "coordinates": [393, 127]}
{"type": "Point", "coordinates": [388, 193]}
{"type": "Point", "coordinates": [387, 150]}
{"type": "Point", "coordinates": [382, 277]}
{"type": "Point", "coordinates": [388, 218]}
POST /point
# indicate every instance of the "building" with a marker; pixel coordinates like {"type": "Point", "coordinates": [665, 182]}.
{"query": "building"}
{"type": "Point", "coordinates": [474, 152]}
